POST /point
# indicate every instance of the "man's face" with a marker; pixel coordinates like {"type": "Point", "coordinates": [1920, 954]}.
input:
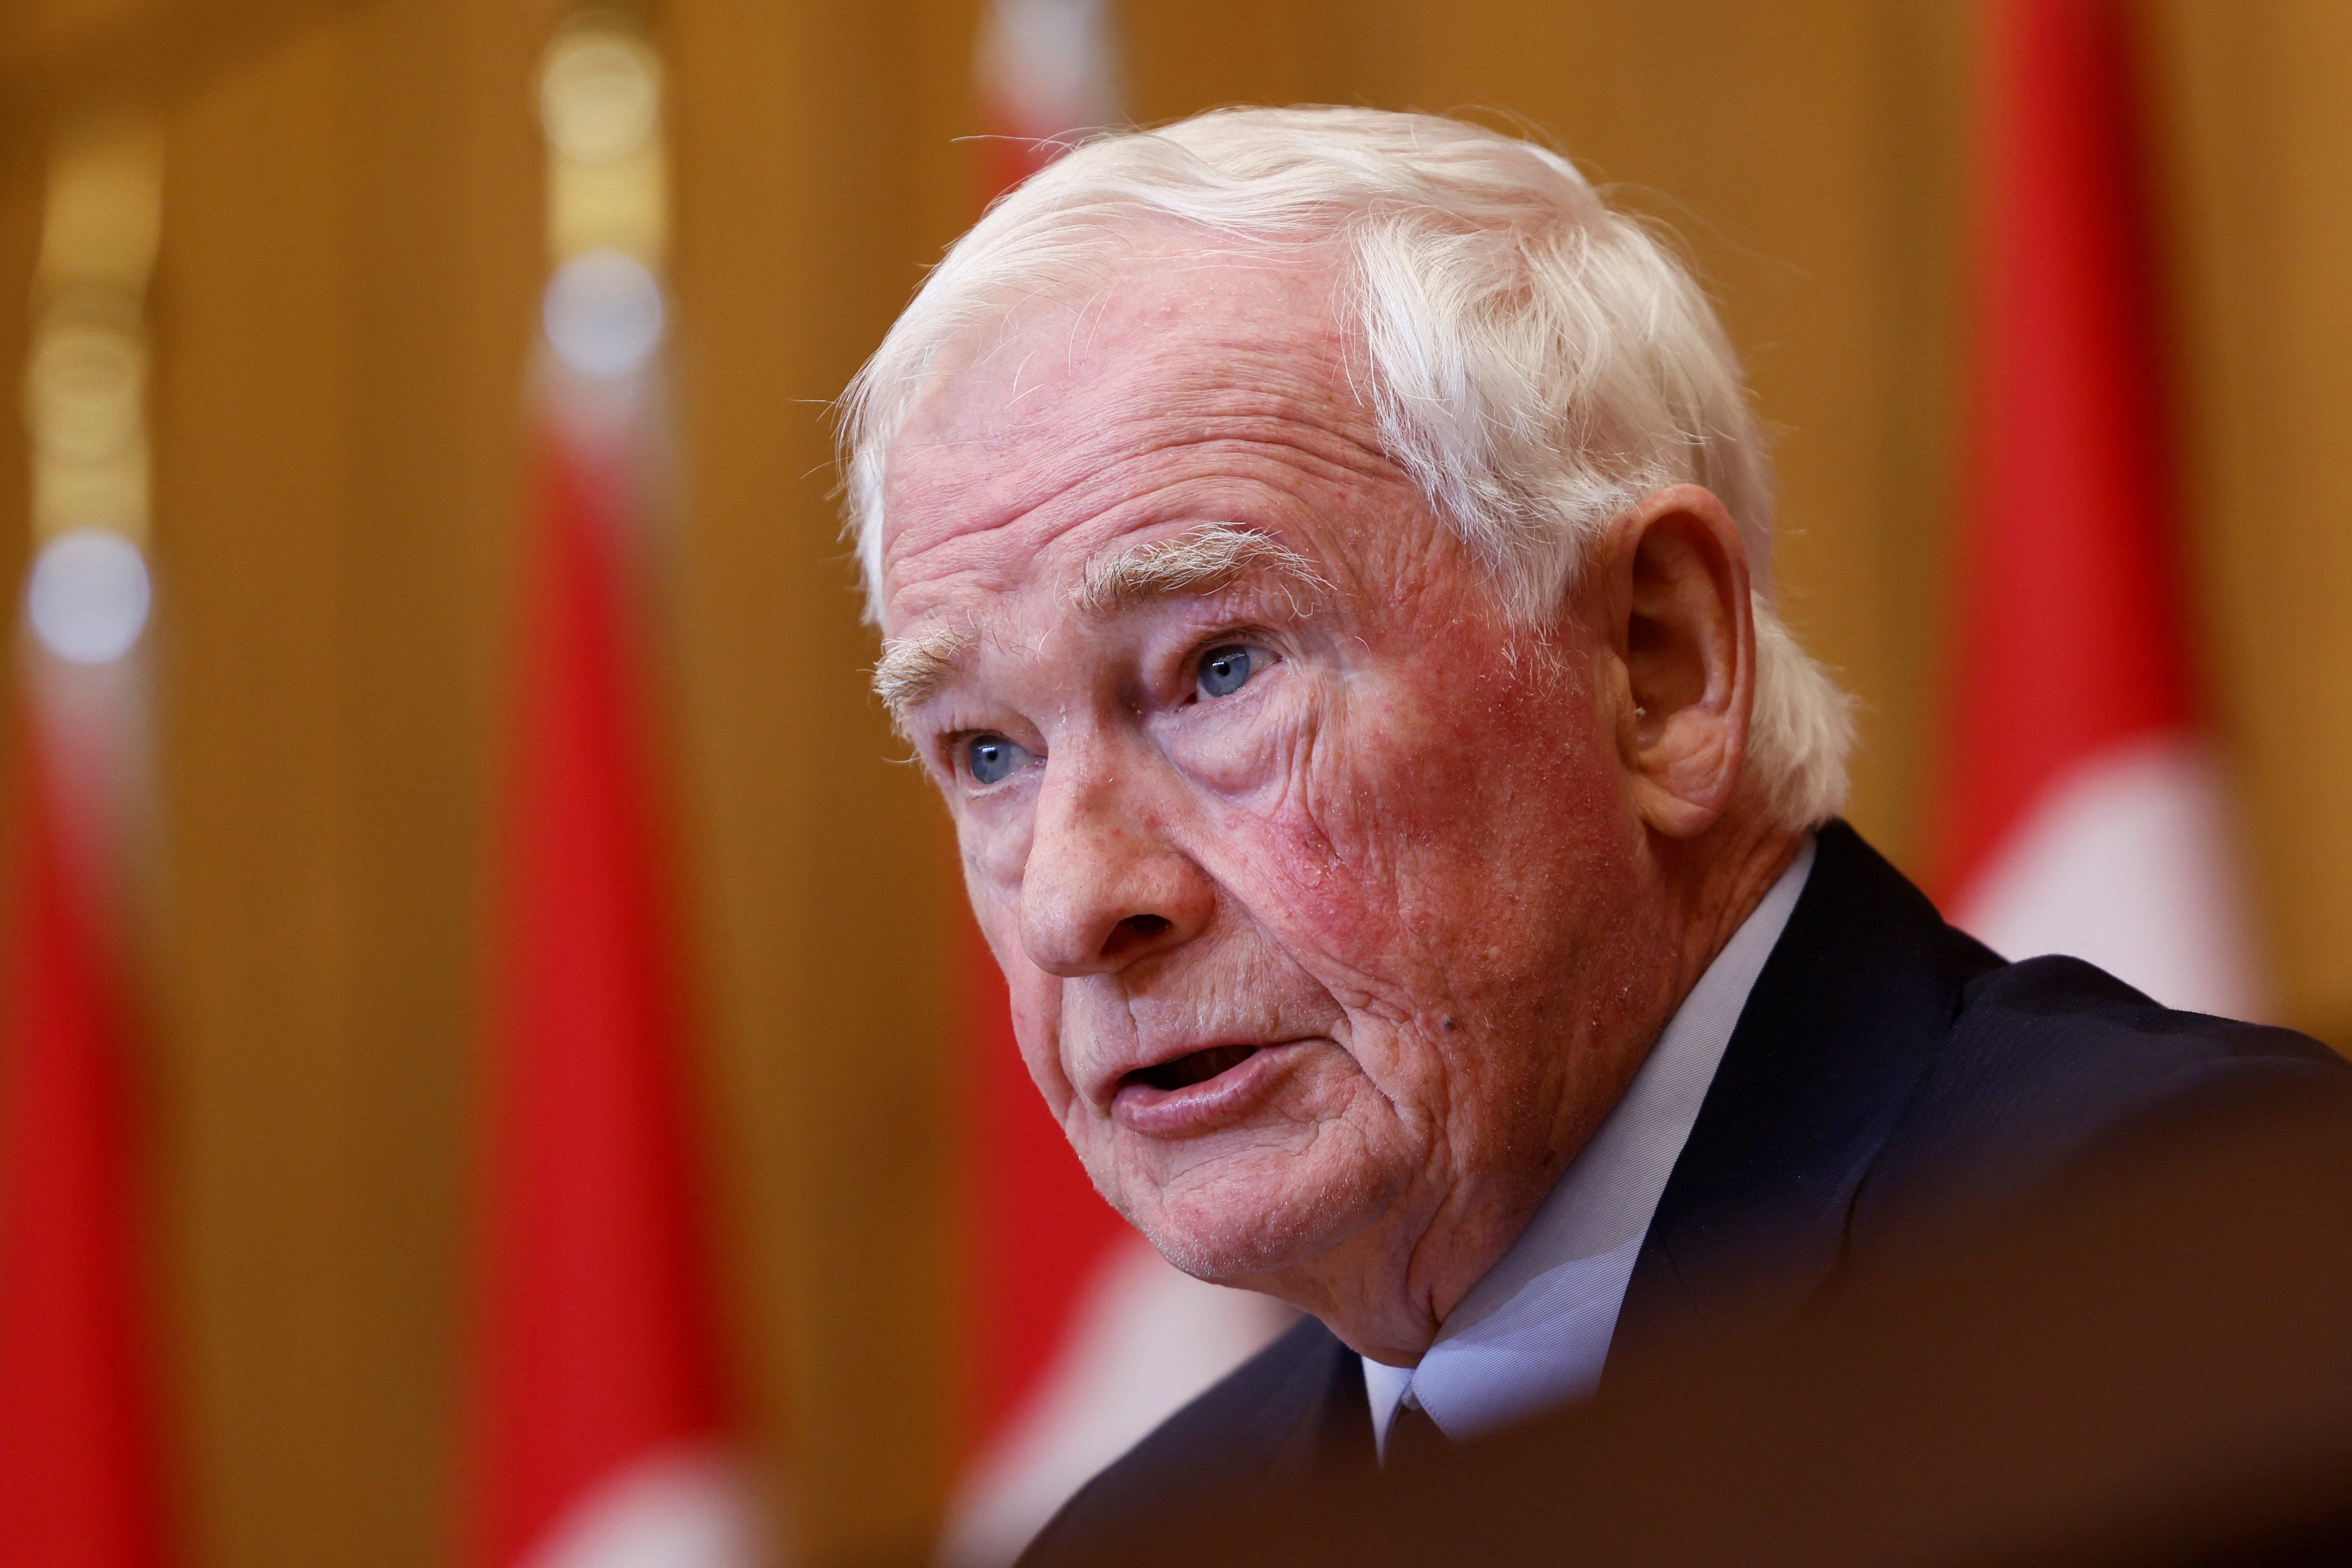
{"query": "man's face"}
{"type": "Point", "coordinates": [1307, 870]}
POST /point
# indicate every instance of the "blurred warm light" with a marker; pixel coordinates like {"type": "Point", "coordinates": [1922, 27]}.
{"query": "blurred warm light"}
{"type": "Point", "coordinates": [1048, 67]}
{"type": "Point", "coordinates": [86, 388]}
{"type": "Point", "coordinates": [89, 595]}
{"type": "Point", "coordinates": [82, 390]}
{"type": "Point", "coordinates": [105, 205]}
{"type": "Point", "coordinates": [600, 103]}
{"type": "Point", "coordinates": [602, 314]}
{"type": "Point", "coordinates": [600, 95]}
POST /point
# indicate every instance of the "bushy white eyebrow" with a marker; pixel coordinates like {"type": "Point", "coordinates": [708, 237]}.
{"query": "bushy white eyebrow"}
{"type": "Point", "coordinates": [1201, 562]}
{"type": "Point", "coordinates": [912, 668]}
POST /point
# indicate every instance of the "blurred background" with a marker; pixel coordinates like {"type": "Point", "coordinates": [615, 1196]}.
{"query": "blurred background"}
{"type": "Point", "coordinates": [358, 437]}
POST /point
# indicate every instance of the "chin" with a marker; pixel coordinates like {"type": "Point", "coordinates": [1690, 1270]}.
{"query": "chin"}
{"type": "Point", "coordinates": [1250, 1216]}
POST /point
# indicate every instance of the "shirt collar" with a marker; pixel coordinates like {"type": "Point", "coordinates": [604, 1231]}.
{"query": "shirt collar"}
{"type": "Point", "coordinates": [1535, 1330]}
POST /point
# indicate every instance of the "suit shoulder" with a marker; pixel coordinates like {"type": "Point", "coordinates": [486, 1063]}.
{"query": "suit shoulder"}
{"type": "Point", "coordinates": [1275, 1410]}
{"type": "Point", "coordinates": [2072, 1036]}
{"type": "Point", "coordinates": [2050, 1060]}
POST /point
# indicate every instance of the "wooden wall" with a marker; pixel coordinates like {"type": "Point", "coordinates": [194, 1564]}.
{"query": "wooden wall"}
{"type": "Point", "coordinates": [817, 170]}
{"type": "Point", "coordinates": [2260, 133]}
{"type": "Point", "coordinates": [350, 267]}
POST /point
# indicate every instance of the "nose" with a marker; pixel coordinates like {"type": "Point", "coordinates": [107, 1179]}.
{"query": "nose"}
{"type": "Point", "coordinates": [1103, 886]}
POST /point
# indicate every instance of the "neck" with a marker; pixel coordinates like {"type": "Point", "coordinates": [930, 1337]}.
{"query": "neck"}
{"type": "Point", "coordinates": [1716, 883]}
{"type": "Point", "coordinates": [1704, 890]}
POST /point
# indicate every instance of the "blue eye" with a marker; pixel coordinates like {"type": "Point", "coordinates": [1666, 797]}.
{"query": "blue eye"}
{"type": "Point", "coordinates": [1226, 670]}
{"type": "Point", "coordinates": [992, 757]}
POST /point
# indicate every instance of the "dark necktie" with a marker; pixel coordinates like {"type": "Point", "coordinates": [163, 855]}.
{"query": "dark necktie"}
{"type": "Point", "coordinates": [1413, 1438]}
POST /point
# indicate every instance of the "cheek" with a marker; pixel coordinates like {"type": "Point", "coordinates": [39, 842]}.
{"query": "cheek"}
{"type": "Point", "coordinates": [1035, 997]}
{"type": "Point", "coordinates": [993, 839]}
{"type": "Point", "coordinates": [1432, 828]}
{"type": "Point", "coordinates": [993, 897]}
{"type": "Point", "coordinates": [1245, 749]}
{"type": "Point", "coordinates": [1297, 839]}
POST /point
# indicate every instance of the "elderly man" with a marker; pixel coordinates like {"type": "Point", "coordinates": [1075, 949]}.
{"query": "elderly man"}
{"type": "Point", "coordinates": [1322, 557]}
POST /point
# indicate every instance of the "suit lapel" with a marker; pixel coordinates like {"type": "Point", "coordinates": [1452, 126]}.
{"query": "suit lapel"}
{"type": "Point", "coordinates": [1319, 1415]}
{"type": "Point", "coordinates": [1847, 1013]}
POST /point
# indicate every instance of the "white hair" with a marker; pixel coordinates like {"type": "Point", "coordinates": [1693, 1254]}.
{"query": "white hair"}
{"type": "Point", "coordinates": [1536, 361]}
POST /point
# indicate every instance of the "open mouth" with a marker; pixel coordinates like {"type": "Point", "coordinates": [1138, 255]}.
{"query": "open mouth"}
{"type": "Point", "coordinates": [1193, 1067]}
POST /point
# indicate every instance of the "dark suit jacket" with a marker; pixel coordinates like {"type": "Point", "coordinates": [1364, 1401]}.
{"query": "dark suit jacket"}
{"type": "Point", "coordinates": [1889, 1077]}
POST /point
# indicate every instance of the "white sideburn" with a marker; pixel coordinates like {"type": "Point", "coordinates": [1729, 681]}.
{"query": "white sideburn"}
{"type": "Point", "coordinates": [2127, 862]}
{"type": "Point", "coordinates": [1145, 1339]}
{"type": "Point", "coordinates": [679, 1507]}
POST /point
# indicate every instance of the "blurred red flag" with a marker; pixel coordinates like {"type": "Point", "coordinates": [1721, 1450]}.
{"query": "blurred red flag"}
{"type": "Point", "coordinates": [80, 1482]}
{"type": "Point", "coordinates": [600, 1420]}
{"type": "Point", "coordinates": [1078, 1338]}
{"type": "Point", "coordinates": [600, 1435]}
{"type": "Point", "coordinates": [2083, 812]}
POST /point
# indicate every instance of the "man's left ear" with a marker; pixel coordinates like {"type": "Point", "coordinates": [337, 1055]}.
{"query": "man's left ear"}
{"type": "Point", "coordinates": [1671, 579]}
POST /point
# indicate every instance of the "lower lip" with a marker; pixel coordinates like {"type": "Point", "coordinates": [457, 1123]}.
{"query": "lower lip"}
{"type": "Point", "coordinates": [1208, 1105]}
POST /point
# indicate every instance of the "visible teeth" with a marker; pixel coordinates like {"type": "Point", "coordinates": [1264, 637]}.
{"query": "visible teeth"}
{"type": "Point", "coordinates": [1197, 1067]}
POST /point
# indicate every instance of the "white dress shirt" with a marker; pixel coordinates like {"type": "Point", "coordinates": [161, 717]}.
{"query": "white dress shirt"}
{"type": "Point", "coordinates": [1533, 1331]}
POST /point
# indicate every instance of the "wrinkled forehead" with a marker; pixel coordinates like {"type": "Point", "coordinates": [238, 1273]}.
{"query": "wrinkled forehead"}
{"type": "Point", "coordinates": [1176, 369]}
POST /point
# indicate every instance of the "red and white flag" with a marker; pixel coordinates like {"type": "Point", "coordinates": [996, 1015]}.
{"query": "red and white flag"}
{"type": "Point", "coordinates": [1078, 1338]}
{"type": "Point", "coordinates": [601, 1434]}
{"type": "Point", "coordinates": [2084, 812]}
{"type": "Point", "coordinates": [83, 1483]}
{"type": "Point", "coordinates": [601, 1416]}
{"type": "Point", "coordinates": [1046, 70]}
